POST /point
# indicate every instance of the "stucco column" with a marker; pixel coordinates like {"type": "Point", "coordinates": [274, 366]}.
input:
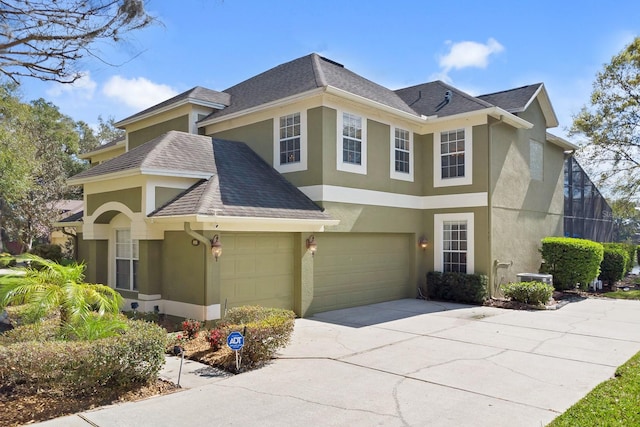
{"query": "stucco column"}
{"type": "Point", "coordinates": [303, 292]}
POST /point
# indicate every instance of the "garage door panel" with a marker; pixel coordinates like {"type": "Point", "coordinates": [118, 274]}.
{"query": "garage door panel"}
{"type": "Point", "coordinates": [357, 269]}
{"type": "Point", "coordinates": [257, 269]}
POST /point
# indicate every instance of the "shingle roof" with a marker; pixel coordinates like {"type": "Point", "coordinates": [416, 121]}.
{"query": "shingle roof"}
{"type": "Point", "coordinates": [197, 93]}
{"type": "Point", "coordinates": [302, 75]}
{"type": "Point", "coordinates": [172, 151]}
{"type": "Point", "coordinates": [428, 99]}
{"type": "Point", "coordinates": [243, 185]}
{"type": "Point", "coordinates": [73, 218]}
{"type": "Point", "coordinates": [512, 100]}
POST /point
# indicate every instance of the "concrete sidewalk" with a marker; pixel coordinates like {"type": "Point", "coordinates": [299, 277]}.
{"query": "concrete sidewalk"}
{"type": "Point", "coordinates": [410, 363]}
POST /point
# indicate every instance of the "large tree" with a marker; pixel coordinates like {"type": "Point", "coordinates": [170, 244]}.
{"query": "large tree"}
{"type": "Point", "coordinates": [611, 123]}
{"type": "Point", "coordinates": [51, 141]}
{"type": "Point", "coordinates": [44, 39]}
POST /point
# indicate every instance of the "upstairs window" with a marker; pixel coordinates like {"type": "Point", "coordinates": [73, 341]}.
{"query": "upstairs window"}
{"type": "Point", "coordinates": [352, 143]}
{"type": "Point", "coordinates": [290, 142]}
{"type": "Point", "coordinates": [401, 154]}
{"type": "Point", "coordinates": [452, 154]}
{"type": "Point", "coordinates": [351, 139]}
{"type": "Point", "coordinates": [290, 139]}
{"type": "Point", "coordinates": [453, 157]}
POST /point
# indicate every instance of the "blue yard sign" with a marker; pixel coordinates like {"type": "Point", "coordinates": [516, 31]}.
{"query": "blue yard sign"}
{"type": "Point", "coordinates": [235, 341]}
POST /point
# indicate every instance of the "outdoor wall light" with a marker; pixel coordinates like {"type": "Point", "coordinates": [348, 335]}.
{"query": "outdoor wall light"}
{"type": "Point", "coordinates": [216, 247]}
{"type": "Point", "coordinates": [195, 242]}
{"type": "Point", "coordinates": [134, 305]}
{"type": "Point", "coordinates": [312, 246]}
{"type": "Point", "coordinates": [423, 243]}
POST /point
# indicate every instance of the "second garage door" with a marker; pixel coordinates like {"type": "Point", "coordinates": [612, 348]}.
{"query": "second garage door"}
{"type": "Point", "coordinates": [257, 269]}
{"type": "Point", "coordinates": [356, 269]}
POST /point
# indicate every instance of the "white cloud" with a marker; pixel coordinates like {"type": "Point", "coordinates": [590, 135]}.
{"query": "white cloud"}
{"type": "Point", "coordinates": [138, 92]}
{"type": "Point", "coordinates": [469, 54]}
{"type": "Point", "coordinates": [84, 87]}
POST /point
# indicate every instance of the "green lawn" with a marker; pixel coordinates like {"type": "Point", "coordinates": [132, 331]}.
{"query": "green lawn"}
{"type": "Point", "coordinates": [615, 402]}
{"type": "Point", "coordinates": [623, 294]}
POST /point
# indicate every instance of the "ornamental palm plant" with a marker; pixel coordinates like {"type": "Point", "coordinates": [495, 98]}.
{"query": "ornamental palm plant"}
{"type": "Point", "coordinates": [48, 286]}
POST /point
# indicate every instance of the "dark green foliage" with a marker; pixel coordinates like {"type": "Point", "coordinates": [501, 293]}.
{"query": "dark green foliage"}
{"type": "Point", "coordinates": [536, 293]}
{"type": "Point", "coordinates": [638, 254]}
{"type": "Point", "coordinates": [613, 264]}
{"type": "Point", "coordinates": [78, 367]}
{"type": "Point", "coordinates": [571, 261]}
{"type": "Point", "coordinates": [459, 287]}
{"type": "Point", "coordinates": [629, 249]}
{"type": "Point", "coordinates": [265, 330]}
{"type": "Point", "coordinates": [47, 251]}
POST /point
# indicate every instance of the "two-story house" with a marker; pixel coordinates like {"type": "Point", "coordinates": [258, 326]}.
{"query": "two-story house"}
{"type": "Point", "coordinates": [312, 188]}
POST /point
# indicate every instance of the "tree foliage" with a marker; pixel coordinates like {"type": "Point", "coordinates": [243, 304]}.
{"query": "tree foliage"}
{"type": "Point", "coordinates": [626, 219]}
{"type": "Point", "coordinates": [44, 39]}
{"type": "Point", "coordinates": [611, 122]}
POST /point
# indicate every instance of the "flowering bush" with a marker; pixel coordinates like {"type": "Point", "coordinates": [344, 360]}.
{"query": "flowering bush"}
{"type": "Point", "coordinates": [215, 339]}
{"type": "Point", "coordinates": [191, 328]}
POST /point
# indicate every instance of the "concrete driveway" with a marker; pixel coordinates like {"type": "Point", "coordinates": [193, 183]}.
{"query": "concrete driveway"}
{"type": "Point", "coordinates": [411, 363]}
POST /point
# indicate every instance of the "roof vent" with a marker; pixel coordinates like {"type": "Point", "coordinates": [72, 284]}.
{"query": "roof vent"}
{"type": "Point", "coordinates": [447, 97]}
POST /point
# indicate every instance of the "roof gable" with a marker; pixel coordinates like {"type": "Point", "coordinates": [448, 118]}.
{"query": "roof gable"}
{"type": "Point", "coordinates": [244, 186]}
{"type": "Point", "coordinates": [170, 153]}
{"type": "Point", "coordinates": [303, 75]}
{"type": "Point", "coordinates": [519, 99]}
{"type": "Point", "coordinates": [197, 95]}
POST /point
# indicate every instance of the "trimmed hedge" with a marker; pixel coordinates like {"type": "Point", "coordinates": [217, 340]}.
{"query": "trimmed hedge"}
{"type": "Point", "coordinates": [78, 367]}
{"type": "Point", "coordinates": [536, 293]}
{"type": "Point", "coordinates": [629, 249]}
{"type": "Point", "coordinates": [265, 331]}
{"type": "Point", "coordinates": [459, 287]}
{"type": "Point", "coordinates": [571, 261]}
{"type": "Point", "coordinates": [614, 264]}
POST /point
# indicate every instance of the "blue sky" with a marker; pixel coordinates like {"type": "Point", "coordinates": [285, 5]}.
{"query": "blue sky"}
{"type": "Point", "coordinates": [479, 47]}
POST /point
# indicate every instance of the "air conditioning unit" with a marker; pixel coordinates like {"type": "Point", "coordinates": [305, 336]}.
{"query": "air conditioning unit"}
{"type": "Point", "coordinates": [535, 277]}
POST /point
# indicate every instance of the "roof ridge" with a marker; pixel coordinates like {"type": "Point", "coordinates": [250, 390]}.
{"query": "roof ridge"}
{"type": "Point", "coordinates": [321, 80]}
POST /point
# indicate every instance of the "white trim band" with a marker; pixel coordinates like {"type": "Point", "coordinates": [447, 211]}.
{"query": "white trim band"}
{"type": "Point", "coordinates": [332, 193]}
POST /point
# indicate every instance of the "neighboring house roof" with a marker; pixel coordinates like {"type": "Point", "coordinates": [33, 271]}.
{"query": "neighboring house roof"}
{"type": "Point", "coordinates": [111, 145]}
{"type": "Point", "coordinates": [68, 207]}
{"type": "Point", "coordinates": [302, 75]}
{"type": "Point", "coordinates": [197, 95]}
{"type": "Point", "coordinates": [430, 99]}
{"type": "Point", "coordinates": [243, 185]}
{"type": "Point", "coordinates": [172, 153]}
{"type": "Point", "coordinates": [76, 217]}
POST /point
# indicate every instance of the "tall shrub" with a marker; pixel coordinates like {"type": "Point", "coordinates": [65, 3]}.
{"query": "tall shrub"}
{"type": "Point", "coordinates": [629, 249]}
{"type": "Point", "coordinates": [571, 261]}
{"type": "Point", "coordinates": [614, 263]}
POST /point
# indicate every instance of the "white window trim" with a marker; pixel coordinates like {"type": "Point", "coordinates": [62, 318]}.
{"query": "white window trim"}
{"type": "Point", "coordinates": [438, 181]}
{"type": "Point", "coordinates": [393, 173]}
{"type": "Point", "coordinates": [350, 167]}
{"type": "Point", "coordinates": [290, 167]}
{"type": "Point", "coordinates": [532, 143]}
{"type": "Point", "coordinates": [438, 223]}
{"type": "Point", "coordinates": [115, 259]}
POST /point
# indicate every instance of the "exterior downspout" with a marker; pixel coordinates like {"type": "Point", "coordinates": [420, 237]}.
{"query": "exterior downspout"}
{"type": "Point", "coordinates": [494, 272]}
{"type": "Point", "coordinates": [207, 245]}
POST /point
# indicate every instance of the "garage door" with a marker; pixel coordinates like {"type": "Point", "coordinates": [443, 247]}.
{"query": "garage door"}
{"type": "Point", "coordinates": [257, 269]}
{"type": "Point", "coordinates": [356, 269]}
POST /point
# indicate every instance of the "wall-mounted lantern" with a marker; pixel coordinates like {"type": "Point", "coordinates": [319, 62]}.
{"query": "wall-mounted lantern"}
{"type": "Point", "coordinates": [216, 247]}
{"type": "Point", "coordinates": [312, 246]}
{"type": "Point", "coordinates": [423, 243]}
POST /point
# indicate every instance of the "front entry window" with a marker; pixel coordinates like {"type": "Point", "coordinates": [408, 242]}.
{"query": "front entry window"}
{"type": "Point", "coordinates": [126, 261]}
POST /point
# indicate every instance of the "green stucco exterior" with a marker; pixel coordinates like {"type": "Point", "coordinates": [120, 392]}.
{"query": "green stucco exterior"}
{"type": "Point", "coordinates": [183, 268]}
{"type": "Point", "coordinates": [131, 198]}
{"type": "Point", "coordinates": [166, 194]}
{"type": "Point", "coordinates": [149, 275]}
{"type": "Point", "coordinates": [258, 136]}
{"type": "Point", "coordinates": [139, 137]}
{"type": "Point", "coordinates": [95, 254]}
